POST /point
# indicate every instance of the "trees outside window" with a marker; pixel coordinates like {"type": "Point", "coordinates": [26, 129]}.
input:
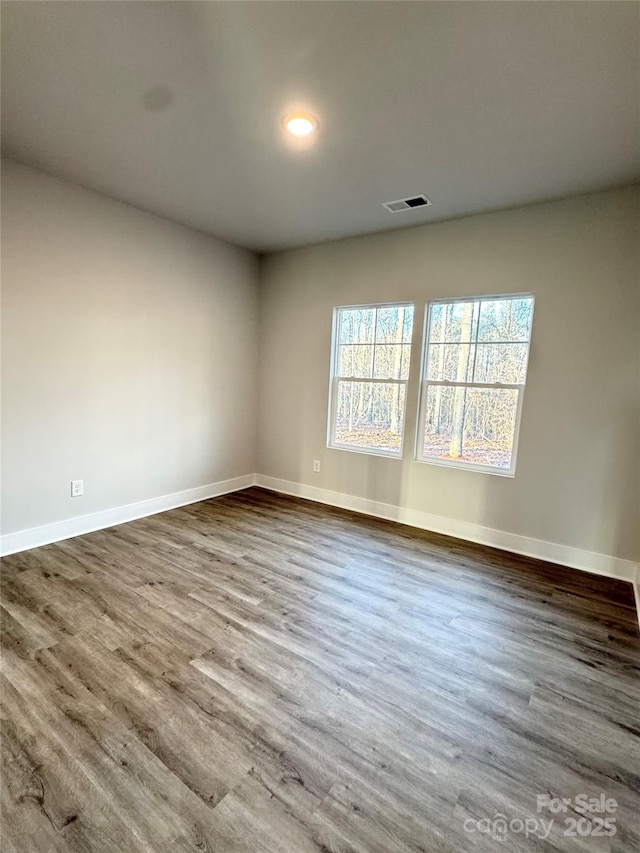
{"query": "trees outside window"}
{"type": "Point", "coordinates": [371, 359]}
{"type": "Point", "coordinates": [475, 368]}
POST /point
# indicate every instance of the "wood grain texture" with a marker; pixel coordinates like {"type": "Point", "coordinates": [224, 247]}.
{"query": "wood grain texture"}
{"type": "Point", "coordinates": [261, 673]}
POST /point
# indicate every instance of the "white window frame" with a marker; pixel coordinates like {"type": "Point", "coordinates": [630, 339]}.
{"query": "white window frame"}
{"type": "Point", "coordinates": [425, 383]}
{"type": "Point", "coordinates": [334, 377]}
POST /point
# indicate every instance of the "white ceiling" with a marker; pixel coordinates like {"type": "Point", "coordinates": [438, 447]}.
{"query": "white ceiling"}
{"type": "Point", "coordinates": [175, 107]}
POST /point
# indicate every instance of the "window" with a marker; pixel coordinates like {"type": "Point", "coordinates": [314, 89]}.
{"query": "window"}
{"type": "Point", "coordinates": [474, 372]}
{"type": "Point", "coordinates": [370, 369]}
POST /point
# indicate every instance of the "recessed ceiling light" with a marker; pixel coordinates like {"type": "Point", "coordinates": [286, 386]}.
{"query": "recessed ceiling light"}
{"type": "Point", "coordinates": [300, 124]}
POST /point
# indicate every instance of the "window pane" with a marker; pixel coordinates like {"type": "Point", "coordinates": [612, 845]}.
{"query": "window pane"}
{"type": "Point", "coordinates": [473, 425]}
{"type": "Point", "coordinates": [505, 363]}
{"type": "Point", "coordinates": [357, 325]}
{"type": "Point", "coordinates": [392, 361]}
{"type": "Point", "coordinates": [436, 322]}
{"type": "Point", "coordinates": [505, 319]}
{"type": "Point", "coordinates": [394, 324]}
{"type": "Point", "coordinates": [450, 362]}
{"type": "Point", "coordinates": [407, 324]}
{"type": "Point", "coordinates": [453, 321]}
{"type": "Point", "coordinates": [355, 360]}
{"type": "Point", "coordinates": [370, 415]}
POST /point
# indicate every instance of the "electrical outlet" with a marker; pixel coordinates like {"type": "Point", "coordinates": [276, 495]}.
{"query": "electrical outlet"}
{"type": "Point", "coordinates": [77, 488]}
{"type": "Point", "coordinates": [316, 466]}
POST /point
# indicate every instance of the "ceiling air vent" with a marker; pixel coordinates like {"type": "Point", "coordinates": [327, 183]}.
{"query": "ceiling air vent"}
{"type": "Point", "coordinates": [406, 203]}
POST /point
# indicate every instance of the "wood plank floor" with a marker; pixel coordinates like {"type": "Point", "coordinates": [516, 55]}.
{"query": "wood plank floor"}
{"type": "Point", "coordinates": [259, 673]}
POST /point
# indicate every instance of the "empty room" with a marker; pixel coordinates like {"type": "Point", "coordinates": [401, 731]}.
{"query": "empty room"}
{"type": "Point", "coordinates": [320, 426]}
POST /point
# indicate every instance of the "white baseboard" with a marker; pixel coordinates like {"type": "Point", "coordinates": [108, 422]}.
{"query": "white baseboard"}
{"type": "Point", "coordinates": [565, 555]}
{"type": "Point", "coordinates": [22, 540]}
{"type": "Point", "coordinates": [636, 593]}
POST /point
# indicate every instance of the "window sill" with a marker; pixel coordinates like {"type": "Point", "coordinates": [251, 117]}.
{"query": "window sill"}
{"type": "Point", "coordinates": [467, 466]}
{"type": "Point", "coordinates": [365, 451]}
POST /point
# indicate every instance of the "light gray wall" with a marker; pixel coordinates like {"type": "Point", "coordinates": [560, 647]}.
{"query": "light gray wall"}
{"type": "Point", "coordinates": [578, 465]}
{"type": "Point", "coordinates": [128, 352]}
